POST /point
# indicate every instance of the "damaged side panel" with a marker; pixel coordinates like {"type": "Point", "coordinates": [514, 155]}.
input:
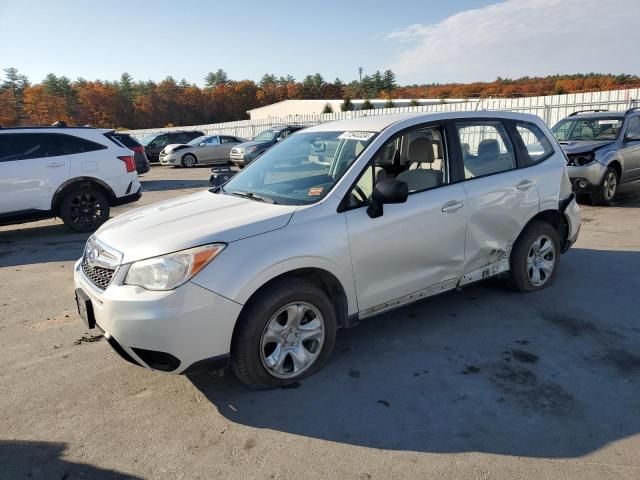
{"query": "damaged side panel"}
{"type": "Point", "coordinates": [498, 210]}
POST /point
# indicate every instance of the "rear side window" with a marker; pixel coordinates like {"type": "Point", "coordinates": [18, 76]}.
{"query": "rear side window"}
{"type": "Point", "coordinates": [23, 146]}
{"type": "Point", "coordinates": [69, 145]}
{"type": "Point", "coordinates": [486, 148]}
{"type": "Point", "coordinates": [228, 140]}
{"type": "Point", "coordinates": [126, 140]}
{"type": "Point", "coordinates": [537, 146]}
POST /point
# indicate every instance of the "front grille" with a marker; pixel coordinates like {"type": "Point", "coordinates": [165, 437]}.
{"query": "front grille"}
{"type": "Point", "coordinates": [99, 276]}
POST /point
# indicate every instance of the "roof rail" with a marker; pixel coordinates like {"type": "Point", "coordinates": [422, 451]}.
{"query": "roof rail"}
{"type": "Point", "coordinates": [631, 110]}
{"type": "Point", "coordinates": [590, 110]}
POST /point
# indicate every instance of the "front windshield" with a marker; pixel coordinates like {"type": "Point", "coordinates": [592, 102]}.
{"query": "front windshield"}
{"type": "Point", "coordinates": [266, 136]}
{"type": "Point", "coordinates": [198, 140]}
{"type": "Point", "coordinates": [600, 128]}
{"type": "Point", "coordinates": [301, 170]}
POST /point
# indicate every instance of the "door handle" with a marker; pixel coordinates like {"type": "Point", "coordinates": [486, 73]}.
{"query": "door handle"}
{"type": "Point", "coordinates": [452, 206]}
{"type": "Point", "coordinates": [525, 185]}
{"type": "Point", "coordinates": [55, 164]}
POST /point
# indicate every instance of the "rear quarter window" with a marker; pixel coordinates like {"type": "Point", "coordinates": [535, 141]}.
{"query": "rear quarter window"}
{"type": "Point", "coordinates": [537, 146]}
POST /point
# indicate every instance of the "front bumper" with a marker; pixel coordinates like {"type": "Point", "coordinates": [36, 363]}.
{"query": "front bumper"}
{"type": "Point", "coordinates": [169, 160]}
{"type": "Point", "coordinates": [189, 324]}
{"type": "Point", "coordinates": [586, 178]}
{"type": "Point", "coordinates": [243, 160]}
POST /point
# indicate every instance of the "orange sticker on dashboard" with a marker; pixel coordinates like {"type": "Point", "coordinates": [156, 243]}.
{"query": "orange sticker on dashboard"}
{"type": "Point", "coordinates": [315, 191]}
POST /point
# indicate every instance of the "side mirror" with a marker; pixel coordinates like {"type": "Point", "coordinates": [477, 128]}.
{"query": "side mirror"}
{"type": "Point", "coordinates": [388, 190]}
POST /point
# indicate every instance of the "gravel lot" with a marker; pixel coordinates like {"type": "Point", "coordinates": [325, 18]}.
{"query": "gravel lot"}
{"type": "Point", "coordinates": [479, 383]}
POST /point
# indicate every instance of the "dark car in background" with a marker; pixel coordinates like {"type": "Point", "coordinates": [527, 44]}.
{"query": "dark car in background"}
{"type": "Point", "coordinates": [246, 153]}
{"type": "Point", "coordinates": [155, 143]}
{"type": "Point", "coordinates": [142, 162]}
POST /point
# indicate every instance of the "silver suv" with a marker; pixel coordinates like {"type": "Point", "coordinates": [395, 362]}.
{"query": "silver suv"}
{"type": "Point", "coordinates": [260, 273]}
{"type": "Point", "coordinates": [603, 151]}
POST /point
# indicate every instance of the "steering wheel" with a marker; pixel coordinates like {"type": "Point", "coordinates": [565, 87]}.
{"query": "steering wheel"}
{"type": "Point", "coordinates": [363, 196]}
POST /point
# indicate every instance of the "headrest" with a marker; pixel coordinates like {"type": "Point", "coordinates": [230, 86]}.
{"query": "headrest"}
{"type": "Point", "coordinates": [421, 151]}
{"type": "Point", "coordinates": [489, 147]}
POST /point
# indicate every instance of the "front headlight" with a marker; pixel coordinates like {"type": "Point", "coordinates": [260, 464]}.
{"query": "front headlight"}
{"type": "Point", "coordinates": [167, 272]}
{"type": "Point", "coordinates": [250, 149]}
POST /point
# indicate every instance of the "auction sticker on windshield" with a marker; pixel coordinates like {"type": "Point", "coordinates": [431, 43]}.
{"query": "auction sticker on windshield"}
{"type": "Point", "coordinates": [364, 136]}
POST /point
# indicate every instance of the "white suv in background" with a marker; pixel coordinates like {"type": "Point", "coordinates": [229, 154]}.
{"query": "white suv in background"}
{"type": "Point", "coordinates": [75, 173]}
{"type": "Point", "coordinates": [261, 272]}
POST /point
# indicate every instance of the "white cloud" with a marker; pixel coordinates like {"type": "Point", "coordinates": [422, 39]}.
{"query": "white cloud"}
{"type": "Point", "coordinates": [522, 37]}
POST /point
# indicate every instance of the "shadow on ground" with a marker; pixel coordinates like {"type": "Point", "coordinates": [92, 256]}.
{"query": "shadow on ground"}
{"type": "Point", "coordinates": [551, 374]}
{"type": "Point", "coordinates": [44, 460]}
{"type": "Point", "coordinates": [29, 244]}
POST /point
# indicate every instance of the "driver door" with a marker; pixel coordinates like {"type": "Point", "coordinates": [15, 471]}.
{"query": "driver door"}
{"type": "Point", "coordinates": [415, 249]}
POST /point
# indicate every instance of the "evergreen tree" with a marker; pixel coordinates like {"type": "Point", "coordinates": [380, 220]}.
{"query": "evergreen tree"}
{"type": "Point", "coordinates": [367, 105]}
{"type": "Point", "coordinates": [346, 105]}
{"type": "Point", "coordinates": [327, 108]}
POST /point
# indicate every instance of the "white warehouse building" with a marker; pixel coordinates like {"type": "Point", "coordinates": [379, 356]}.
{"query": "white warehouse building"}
{"type": "Point", "coordinates": [305, 107]}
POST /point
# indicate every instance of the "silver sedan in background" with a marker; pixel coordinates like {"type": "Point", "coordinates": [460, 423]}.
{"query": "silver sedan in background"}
{"type": "Point", "coordinates": [207, 149]}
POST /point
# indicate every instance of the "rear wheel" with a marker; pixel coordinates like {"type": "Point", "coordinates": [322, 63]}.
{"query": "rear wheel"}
{"type": "Point", "coordinates": [607, 189]}
{"type": "Point", "coordinates": [535, 258]}
{"type": "Point", "coordinates": [189, 160]}
{"type": "Point", "coordinates": [286, 333]}
{"type": "Point", "coordinates": [84, 210]}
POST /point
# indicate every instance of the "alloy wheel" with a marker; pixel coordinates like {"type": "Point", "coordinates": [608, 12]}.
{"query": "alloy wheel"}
{"type": "Point", "coordinates": [541, 260]}
{"type": "Point", "coordinates": [86, 210]}
{"type": "Point", "coordinates": [610, 185]}
{"type": "Point", "coordinates": [292, 340]}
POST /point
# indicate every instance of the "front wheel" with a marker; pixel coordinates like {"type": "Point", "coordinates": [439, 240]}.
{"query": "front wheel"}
{"type": "Point", "coordinates": [607, 189]}
{"type": "Point", "coordinates": [285, 333]}
{"type": "Point", "coordinates": [189, 160]}
{"type": "Point", "coordinates": [535, 258]}
{"type": "Point", "coordinates": [84, 210]}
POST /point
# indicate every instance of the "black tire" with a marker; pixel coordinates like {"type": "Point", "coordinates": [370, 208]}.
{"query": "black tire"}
{"type": "Point", "coordinates": [189, 160]}
{"type": "Point", "coordinates": [246, 348]}
{"type": "Point", "coordinates": [521, 274]}
{"type": "Point", "coordinates": [84, 209]}
{"type": "Point", "coordinates": [607, 189]}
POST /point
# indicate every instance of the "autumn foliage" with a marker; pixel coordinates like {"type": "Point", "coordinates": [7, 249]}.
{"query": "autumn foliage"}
{"type": "Point", "coordinates": [129, 104]}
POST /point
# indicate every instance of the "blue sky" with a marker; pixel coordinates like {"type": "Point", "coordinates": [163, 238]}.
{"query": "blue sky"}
{"type": "Point", "coordinates": [423, 41]}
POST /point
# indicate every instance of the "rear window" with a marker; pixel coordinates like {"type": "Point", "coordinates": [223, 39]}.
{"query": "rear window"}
{"type": "Point", "coordinates": [125, 140]}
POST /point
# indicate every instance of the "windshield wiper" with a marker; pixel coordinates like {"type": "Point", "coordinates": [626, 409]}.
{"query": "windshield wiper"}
{"type": "Point", "coordinates": [253, 196]}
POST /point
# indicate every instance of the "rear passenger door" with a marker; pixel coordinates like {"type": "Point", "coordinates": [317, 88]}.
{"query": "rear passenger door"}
{"type": "Point", "coordinates": [226, 144]}
{"type": "Point", "coordinates": [209, 150]}
{"type": "Point", "coordinates": [501, 197]}
{"type": "Point", "coordinates": [30, 171]}
{"type": "Point", "coordinates": [415, 249]}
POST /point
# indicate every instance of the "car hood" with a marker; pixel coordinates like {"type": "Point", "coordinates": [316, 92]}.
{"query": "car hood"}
{"type": "Point", "coordinates": [253, 144]}
{"type": "Point", "coordinates": [189, 221]}
{"type": "Point", "coordinates": [175, 146]}
{"type": "Point", "coordinates": [583, 146]}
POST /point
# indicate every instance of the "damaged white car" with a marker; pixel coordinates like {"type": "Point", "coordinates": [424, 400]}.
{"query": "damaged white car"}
{"type": "Point", "coordinates": [260, 273]}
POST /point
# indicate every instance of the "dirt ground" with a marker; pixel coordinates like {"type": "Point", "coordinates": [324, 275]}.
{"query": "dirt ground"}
{"type": "Point", "coordinates": [479, 383]}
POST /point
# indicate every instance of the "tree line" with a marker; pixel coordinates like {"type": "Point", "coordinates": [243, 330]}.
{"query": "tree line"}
{"type": "Point", "coordinates": [126, 103]}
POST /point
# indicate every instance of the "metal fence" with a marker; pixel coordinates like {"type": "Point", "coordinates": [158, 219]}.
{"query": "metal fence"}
{"type": "Point", "coordinates": [551, 109]}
